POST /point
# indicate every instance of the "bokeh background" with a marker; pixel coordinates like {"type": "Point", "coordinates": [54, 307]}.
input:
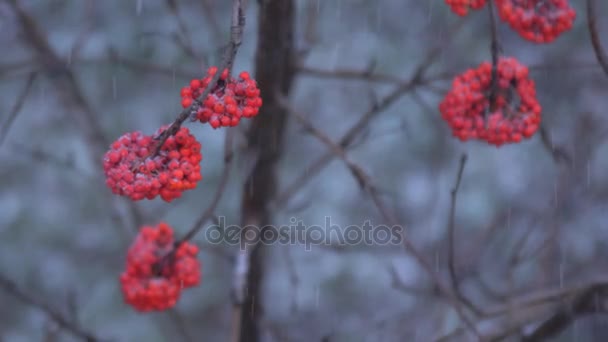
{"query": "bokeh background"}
{"type": "Point", "coordinates": [530, 218]}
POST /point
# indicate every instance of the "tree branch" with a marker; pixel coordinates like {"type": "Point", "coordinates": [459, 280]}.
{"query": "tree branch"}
{"type": "Point", "coordinates": [12, 288]}
{"type": "Point", "coordinates": [600, 54]}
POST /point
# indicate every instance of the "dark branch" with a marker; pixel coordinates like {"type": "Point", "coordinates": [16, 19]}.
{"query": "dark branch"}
{"type": "Point", "coordinates": [600, 54]}
{"type": "Point", "coordinates": [13, 289]}
{"type": "Point", "coordinates": [17, 107]}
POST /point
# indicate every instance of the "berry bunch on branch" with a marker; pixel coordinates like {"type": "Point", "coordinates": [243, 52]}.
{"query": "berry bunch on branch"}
{"type": "Point", "coordinates": [506, 113]}
{"type": "Point", "coordinates": [157, 270]}
{"type": "Point", "coordinates": [539, 21]}
{"type": "Point", "coordinates": [496, 102]}
{"type": "Point", "coordinates": [166, 164]}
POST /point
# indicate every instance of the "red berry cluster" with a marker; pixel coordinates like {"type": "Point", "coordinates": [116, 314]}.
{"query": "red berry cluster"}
{"type": "Point", "coordinates": [229, 101]}
{"type": "Point", "coordinates": [157, 271]}
{"type": "Point", "coordinates": [540, 21]}
{"type": "Point", "coordinates": [462, 7]}
{"type": "Point", "coordinates": [132, 169]}
{"type": "Point", "coordinates": [514, 113]}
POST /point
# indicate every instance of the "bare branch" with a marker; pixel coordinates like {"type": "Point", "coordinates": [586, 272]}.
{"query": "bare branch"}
{"type": "Point", "coordinates": [591, 300]}
{"type": "Point", "coordinates": [600, 54]}
{"type": "Point", "coordinates": [452, 240]}
{"type": "Point", "coordinates": [219, 192]}
{"type": "Point", "coordinates": [17, 107]}
{"type": "Point", "coordinates": [365, 183]}
{"type": "Point", "coordinates": [13, 289]}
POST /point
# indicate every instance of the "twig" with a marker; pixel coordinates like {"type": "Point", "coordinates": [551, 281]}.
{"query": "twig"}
{"type": "Point", "coordinates": [417, 78]}
{"type": "Point", "coordinates": [494, 49]}
{"type": "Point", "coordinates": [209, 212]}
{"type": "Point", "coordinates": [347, 139]}
{"type": "Point", "coordinates": [236, 35]}
{"type": "Point", "coordinates": [452, 241]}
{"type": "Point", "coordinates": [17, 107]}
{"type": "Point", "coordinates": [211, 19]}
{"type": "Point", "coordinates": [13, 289]}
{"type": "Point", "coordinates": [600, 54]}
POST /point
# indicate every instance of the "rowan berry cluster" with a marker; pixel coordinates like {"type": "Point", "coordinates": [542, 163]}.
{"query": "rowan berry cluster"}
{"type": "Point", "coordinates": [462, 7]}
{"type": "Point", "coordinates": [134, 169]}
{"type": "Point", "coordinates": [137, 168]}
{"type": "Point", "coordinates": [229, 101]}
{"type": "Point", "coordinates": [157, 271]}
{"type": "Point", "coordinates": [499, 112]}
{"type": "Point", "coordinates": [540, 21]}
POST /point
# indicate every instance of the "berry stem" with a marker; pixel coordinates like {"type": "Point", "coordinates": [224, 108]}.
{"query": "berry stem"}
{"type": "Point", "coordinates": [494, 50]}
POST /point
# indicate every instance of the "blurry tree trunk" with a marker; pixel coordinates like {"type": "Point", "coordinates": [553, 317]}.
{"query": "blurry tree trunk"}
{"type": "Point", "coordinates": [274, 69]}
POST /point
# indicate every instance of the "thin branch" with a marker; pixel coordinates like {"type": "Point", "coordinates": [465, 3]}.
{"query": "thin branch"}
{"type": "Point", "coordinates": [452, 241]}
{"type": "Point", "coordinates": [348, 138]}
{"type": "Point", "coordinates": [494, 49]}
{"type": "Point", "coordinates": [236, 36]}
{"type": "Point", "coordinates": [219, 192]}
{"type": "Point", "coordinates": [365, 182]}
{"type": "Point", "coordinates": [180, 325]}
{"type": "Point", "coordinates": [17, 107]}
{"type": "Point", "coordinates": [211, 19]}
{"type": "Point", "coordinates": [600, 54]}
{"type": "Point", "coordinates": [13, 289]}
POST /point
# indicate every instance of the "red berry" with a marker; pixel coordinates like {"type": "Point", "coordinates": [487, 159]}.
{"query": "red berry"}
{"type": "Point", "coordinates": [187, 102]}
{"type": "Point", "coordinates": [462, 7]}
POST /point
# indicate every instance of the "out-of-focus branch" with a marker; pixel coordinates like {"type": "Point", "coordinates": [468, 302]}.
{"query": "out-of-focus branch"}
{"type": "Point", "coordinates": [454, 281]}
{"type": "Point", "coordinates": [13, 289]}
{"type": "Point", "coordinates": [591, 300]}
{"type": "Point", "coordinates": [211, 19]}
{"type": "Point", "coordinates": [347, 140]}
{"type": "Point", "coordinates": [365, 182]}
{"type": "Point", "coordinates": [600, 54]}
{"type": "Point", "coordinates": [183, 37]}
{"type": "Point", "coordinates": [68, 90]}
{"type": "Point", "coordinates": [219, 192]}
{"type": "Point", "coordinates": [12, 115]}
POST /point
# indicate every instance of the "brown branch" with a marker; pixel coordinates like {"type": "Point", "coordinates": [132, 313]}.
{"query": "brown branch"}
{"type": "Point", "coordinates": [600, 54]}
{"type": "Point", "coordinates": [16, 107]}
{"type": "Point", "coordinates": [13, 289]}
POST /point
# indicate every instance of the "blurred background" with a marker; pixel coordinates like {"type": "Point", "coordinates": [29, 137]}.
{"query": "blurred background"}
{"type": "Point", "coordinates": [530, 218]}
